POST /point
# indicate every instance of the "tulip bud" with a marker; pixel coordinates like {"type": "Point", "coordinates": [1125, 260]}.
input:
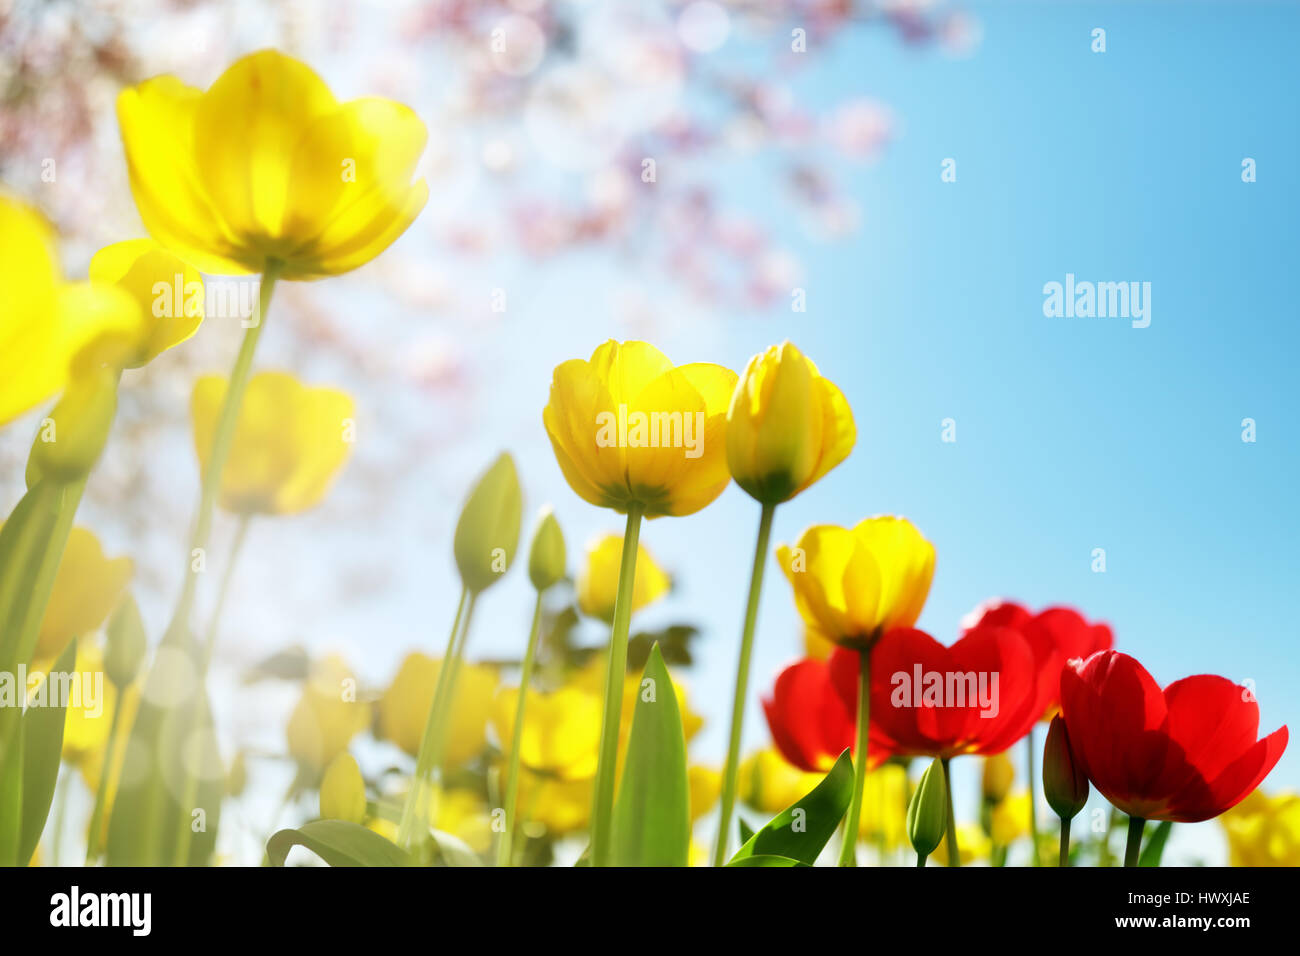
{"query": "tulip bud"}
{"type": "Point", "coordinates": [487, 534]}
{"type": "Point", "coordinates": [546, 558]}
{"type": "Point", "coordinates": [1064, 783]}
{"type": "Point", "coordinates": [125, 643]}
{"type": "Point", "coordinates": [999, 773]}
{"type": "Point", "coordinates": [70, 441]}
{"type": "Point", "coordinates": [927, 811]}
{"type": "Point", "coordinates": [343, 790]}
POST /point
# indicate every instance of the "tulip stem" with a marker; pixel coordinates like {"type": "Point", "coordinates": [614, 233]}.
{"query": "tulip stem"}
{"type": "Point", "coordinates": [1064, 861]}
{"type": "Point", "coordinates": [106, 770]}
{"type": "Point", "coordinates": [848, 849]}
{"type": "Point", "coordinates": [1134, 844]}
{"type": "Point", "coordinates": [424, 759]}
{"type": "Point", "coordinates": [615, 673]}
{"type": "Point", "coordinates": [184, 829]}
{"type": "Point", "coordinates": [732, 770]}
{"type": "Point", "coordinates": [1033, 804]}
{"type": "Point", "coordinates": [920, 859]}
{"type": "Point", "coordinates": [954, 854]}
{"type": "Point", "coordinates": [222, 440]}
{"type": "Point", "coordinates": [512, 775]}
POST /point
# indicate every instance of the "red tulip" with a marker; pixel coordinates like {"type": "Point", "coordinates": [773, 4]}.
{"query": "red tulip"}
{"type": "Point", "coordinates": [1185, 754]}
{"type": "Point", "coordinates": [1056, 635]}
{"type": "Point", "coordinates": [810, 725]}
{"type": "Point", "coordinates": [978, 696]}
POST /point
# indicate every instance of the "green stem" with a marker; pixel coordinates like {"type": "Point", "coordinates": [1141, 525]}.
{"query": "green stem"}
{"type": "Point", "coordinates": [1134, 845]}
{"type": "Point", "coordinates": [512, 775]}
{"type": "Point", "coordinates": [1064, 861]}
{"type": "Point", "coordinates": [222, 441]}
{"type": "Point", "coordinates": [424, 759]}
{"type": "Point", "coordinates": [954, 854]}
{"type": "Point", "coordinates": [1033, 804]}
{"type": "Point", "coordinates": [184, 825]}
{"type": "Point", "coordinates": [848, 855]}
{"type": "Point", "coordinates": [732, 769]}
{"type": "Point", "coordinates": [106, 769]}
{"type": "Point", "coordinates": [441, 728]}
{"type": "Point", "coordinates": [920, 859]}
{"type": "Point", "coordinates": [603, 807]}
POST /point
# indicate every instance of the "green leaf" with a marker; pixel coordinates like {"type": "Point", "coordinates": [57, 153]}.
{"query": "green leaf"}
{"type": "Point", "coordinates": [42, 751]}
{"type": "Point", "coordinates": [801, 831]}
{"type": "Point", "coordinates": [746, 831]}
{"type": "Point", "coordinates": [451, 850]}
{"type": "Point", "coordinates": [1155, 845]}
{"type": "Point", "coordinates": [338, 843]}
{"type": "Point", "coordinates": [652, 819]}
{"type": "Point", "coordinates": [766, 860]}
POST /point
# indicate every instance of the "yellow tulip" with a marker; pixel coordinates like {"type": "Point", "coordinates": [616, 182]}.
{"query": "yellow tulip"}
{"type": "Point", "coordinates": [50, 330]}
{"type": "Point", "coordinates": [705, 786]}
{"type": "Point", "coordinates": [167, 290]}
{"type": "Point", "coordinates": [1264, 830]}
{"type": "Point", "coordinates": [343, 790]}
{"type": "Point", "coordinates": [290, 441]}
{"type": "Point", "coordinates": [591, 677]}
{"type": "Point", "coordinates": [327, 715]}
{"type": "Point", "coordinates": [561, 733]}
{"type": "Point", "coordinates": [631, 430]}
{"type": "Point", "coordinates": [1009, 819]}
{"type": "Point", "coordinates": [999, 773]}
{"type": "Point", "coordinates": [404, 707]}
{"type": "Point", "coordinates": [462, 813]}
{"type": "Point", "coordinates": [87, 587]}
{"type": "Point", "coordinates": [787, 426]}
{"type": "Point", "coordinates": [560, 806]}
{"type": "Point", "coordinates": [267, 169]}
{"type": "Point", "coordinates": [769, 784]}
{"type": "Point", "coordinates": [597, 584]}
{"type": "Point", "coordinates": [852, 584]}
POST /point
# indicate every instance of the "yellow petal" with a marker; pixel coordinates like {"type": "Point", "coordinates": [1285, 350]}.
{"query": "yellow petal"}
{"type": "Point", "coordinates": [597, 585]}
{"type": "Point", "coordinates": [906, 563]}
{"type": "Point", "coordinates": [561, 734]}
{"type": "Point", "coordinates": [168, 291]}
{"type": "Point", "coordinates": [87, 586]}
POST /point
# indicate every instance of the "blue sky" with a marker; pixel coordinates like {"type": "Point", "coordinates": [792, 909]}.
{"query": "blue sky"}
{"type": "Point", "coordinates": [1072, 434]}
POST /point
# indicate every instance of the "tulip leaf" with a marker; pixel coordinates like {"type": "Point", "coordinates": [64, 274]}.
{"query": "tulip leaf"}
{"type": "Point", "coordinates": [451, 850]}
{"type": "Point", "coordinates": [338, 843]}
{"type": "Point", "coordinates": [1155, 845]}
{"type": "Point", "coordinates": [767, 859]}
{"type": "Point", "coordinates": [746, 831]}
{"type": "Point", "coordinates": [652, 820]}
{"type": "Point", "coordinates": [42, 730]}
{"type": "Point", "coordinates": [802, 830]}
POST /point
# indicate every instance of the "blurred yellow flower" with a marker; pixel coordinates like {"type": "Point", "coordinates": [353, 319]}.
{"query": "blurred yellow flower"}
{"type": "Point", "coordinates": [852, 584]}
{"type": "Point", "coordinates": [327, 716]}
{"type": "Point", "coordinates": [290, 441]}
{"type": "Point", "coordinates": [598, 581]}
{"type": "Point", "coordinates": [404, 707]}
{"type": "Point", "coordinates": [973, 845]}
{"type": "Point", "coordinates": [343, 790]}
{"type": "Point", "coordinates": [87, 720]}
{"type": "Point", "coordinates": [1009, 819]}
{"type": "Point", "coordinates": [631, 429]}
{"type": "Point", "coordinates": [559, 806]}
{"type": "Point", "coordinates": [1264, 830]}
{"type": "Point", "coordinates": [462, 813]}
{"type": "Point", "coordinates": [561, 733]}
{"type": "Point", "coordinates": [167, 290]}
{"type": "Point", "coordinates": [50, 330]}
{"type": "Point", "coordinates": [705, 786]}
{"type": "Point", "coordinates": [591, 677]}
{"type": "Point", "coordinates": [267, 167]}
{"type": "Point", "coordinates": [87, 587]}
{"type": "Point", "coordinates": [998, 775]}
{"type": "Point", "coordinates": [769, 784]}
{"type": "Point", "coordinates": [884, 807]}
{"type": "Point", "coordinates": [787, 426]}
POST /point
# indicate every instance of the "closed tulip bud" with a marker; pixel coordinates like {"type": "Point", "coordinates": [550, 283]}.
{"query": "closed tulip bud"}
{"type": "Point", "coordinates": [70, 441]}
{"type": "Point", "coordinates": [787, 426]}
{"type": "Point", "coordinates": [927, 812]}
{"type": "Point", "coordinates": [1064, 782]}
{"type": "Point", "coordinates": [546, 558]}
{"type": "Point", "coordinates": [343, 790]}
{"type": "Point", "coordinates": [124, 644]}
{"type": "Point", "coordinates": [487, 534]}
{"type": "Point", "coordinates": [999, 773]}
